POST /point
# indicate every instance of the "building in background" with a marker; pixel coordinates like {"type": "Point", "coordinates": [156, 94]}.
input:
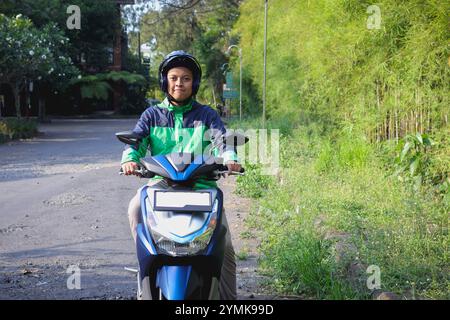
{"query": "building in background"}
{"type": "Point", "coordinates": [120, 45]}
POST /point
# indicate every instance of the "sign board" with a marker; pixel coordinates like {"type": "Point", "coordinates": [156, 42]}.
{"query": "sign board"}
{"type": "Point", "coordinates": [229, 93]}
{"type": "Point", "coordinates": [229, 79]}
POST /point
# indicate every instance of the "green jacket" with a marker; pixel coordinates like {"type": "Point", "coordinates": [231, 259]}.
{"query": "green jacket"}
{"type": "Point", "coordinates": [190, 128]}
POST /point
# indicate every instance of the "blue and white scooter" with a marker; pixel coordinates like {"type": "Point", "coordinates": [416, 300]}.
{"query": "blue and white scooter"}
{"type": "Point", "coordinates": [180, 237]}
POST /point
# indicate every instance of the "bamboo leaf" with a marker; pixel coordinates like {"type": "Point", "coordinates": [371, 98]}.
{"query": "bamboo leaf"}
{"type": "Point", "coordinates": [414, 165]}
{"type": "Point", "coordinates": [427, 141]}
{"type": "Point", "coordinates": [405, 150]}
{"type": "Point", "coordinates": [419, 138]}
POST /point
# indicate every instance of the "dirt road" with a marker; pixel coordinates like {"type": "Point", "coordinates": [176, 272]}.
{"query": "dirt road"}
{"type": "Point", "coordinates": [63, 207]}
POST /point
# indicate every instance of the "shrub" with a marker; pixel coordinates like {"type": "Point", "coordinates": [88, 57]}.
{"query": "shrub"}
{"type": "Point", "coordinates": [13, 128]}
{"type": "Point", "coordinates": [390, 225]}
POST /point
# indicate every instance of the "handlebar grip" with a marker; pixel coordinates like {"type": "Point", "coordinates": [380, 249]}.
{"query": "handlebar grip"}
{"type": "Point", "coordinates": [225, 168]}
{"type": "Point", "coordinates": [144, 173]}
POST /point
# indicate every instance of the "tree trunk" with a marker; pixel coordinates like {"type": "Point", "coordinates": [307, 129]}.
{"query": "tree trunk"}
{"type": "Point", "coordinates": [214, 96]}
{"type": "Point", "coordinates": [416, 121]}
{"type": "Point", "coordinates": [16, 92]}
{"type": "Point", "coordinates": [41, 104]}
{"type": "Point", "coordinates": [396, 125]}
{"type": "Point", "coordinates": [421, 127]}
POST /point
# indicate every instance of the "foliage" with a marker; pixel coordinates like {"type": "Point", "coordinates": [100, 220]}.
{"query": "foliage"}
{"type": "Point", "coordinates": [253, 184]}
{"type": "Point", "coordinates": [348, 149]}
{"type": "Point", "coordinates": [325, 65]}
{"type": "Point", "coordinates": [98, 86]}
{"type": "Point", "coordinates": [98, 23]}
{"type": "Point", "coordinates": [414, 157]}
{"type": "Point", "coordinates": [89, 49]}
{"type": "Point", "coordinates": [371, 96]}
{"type": "Point", "coordinates": [12, 128]}
{"type": "Point", "coordinates": [201, 29]}
{"type": "Point", "coordinates": [29, 54]}
{"type": "Point", "coordinates": [340, 185]}
{"type": "Point", "coordinates": [134, 98]}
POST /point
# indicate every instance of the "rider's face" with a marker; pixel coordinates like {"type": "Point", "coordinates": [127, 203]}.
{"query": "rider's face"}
{"type": "Point", "coordinates": [180, 83]}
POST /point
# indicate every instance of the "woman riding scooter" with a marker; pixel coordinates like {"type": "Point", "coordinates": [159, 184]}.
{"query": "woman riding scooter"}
{"type": "Point", "coordinates": [179, 124]}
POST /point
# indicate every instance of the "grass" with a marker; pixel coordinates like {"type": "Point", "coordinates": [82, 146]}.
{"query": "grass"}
{"type": "Point", "coordinates": [253, 184]}
{"type": "Point", "coordinates": [246, 235]}
{"type": "Point", "coordinates": [348, 185]}
{"type": "Point", "coordinates": [243, 254]}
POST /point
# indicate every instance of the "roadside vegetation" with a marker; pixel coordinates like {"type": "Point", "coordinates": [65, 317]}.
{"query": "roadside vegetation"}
{"type": "Point", "coordinates": [364, 150]}
{"type": "Point", "coordinates": [330, 189]}
{"type": "Point", "coordinates": [13, 128]}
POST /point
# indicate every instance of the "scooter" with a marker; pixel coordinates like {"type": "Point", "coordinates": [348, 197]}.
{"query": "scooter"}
{"type": "Point", "coordinates": [180, 236]}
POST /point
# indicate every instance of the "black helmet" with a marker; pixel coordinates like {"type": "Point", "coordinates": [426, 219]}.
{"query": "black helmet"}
{"type": "Point", "coordinates": [180, 58]}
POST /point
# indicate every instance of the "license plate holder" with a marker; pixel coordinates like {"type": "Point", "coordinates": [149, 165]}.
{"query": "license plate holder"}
{"type": "Point", "coordinates": [182, 200]}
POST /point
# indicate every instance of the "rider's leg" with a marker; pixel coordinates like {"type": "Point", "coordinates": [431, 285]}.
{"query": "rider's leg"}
{"type": "Point", "coordinates": [227, 285]}
{"type": "Point", "coordinates": [134, 209]}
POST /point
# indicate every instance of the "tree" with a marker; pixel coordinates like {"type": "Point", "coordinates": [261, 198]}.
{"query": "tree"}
{"type": "Point", "coordinates": [28, 54]}
{"type": "Point", "coordinates": [97, 86]}
{"type": "Point", "coordinates": [91, 43]}
{"type": "Point", "coordinates": [201, 27]}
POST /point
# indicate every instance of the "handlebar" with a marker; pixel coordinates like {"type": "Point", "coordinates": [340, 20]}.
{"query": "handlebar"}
{"type": "Point", "coordinates": [143, 173]}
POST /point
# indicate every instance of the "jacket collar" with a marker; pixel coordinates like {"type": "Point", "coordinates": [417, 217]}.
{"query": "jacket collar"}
{"type": "Point", "coordinates": [177, 109]}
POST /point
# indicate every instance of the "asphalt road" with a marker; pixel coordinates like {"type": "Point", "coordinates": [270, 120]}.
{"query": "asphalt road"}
{"type": "Point", "coordinates": [62, 205]}
{"type": "Point", "coordinates": [63, 212]}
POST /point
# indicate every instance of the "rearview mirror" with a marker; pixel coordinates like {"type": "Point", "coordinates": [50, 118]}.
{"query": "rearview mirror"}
{"type": "Point", "coordinates": [128, 137]}
{"type": "Point", "coordinates": [235, 139]}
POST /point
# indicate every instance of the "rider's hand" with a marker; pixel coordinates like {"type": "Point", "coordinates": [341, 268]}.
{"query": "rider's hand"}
{"type": "Point", "coordinates": [233, 166]}
{"type": "Point", "coordinates": [129, 168]}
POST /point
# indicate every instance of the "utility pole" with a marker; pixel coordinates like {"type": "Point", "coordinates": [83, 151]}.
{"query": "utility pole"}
{"type": "Point", "coordinates": [240, 84]}
{"type": "Point", "coordinates": [265, 63]}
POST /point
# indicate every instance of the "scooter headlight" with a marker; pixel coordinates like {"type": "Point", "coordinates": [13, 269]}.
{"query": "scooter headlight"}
{"type": "Point", "coordinates": [168, 243]}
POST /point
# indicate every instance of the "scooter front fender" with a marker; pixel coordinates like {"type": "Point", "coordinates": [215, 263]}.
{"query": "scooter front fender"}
{"type": "Point", "coordinates": [173, 281]}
